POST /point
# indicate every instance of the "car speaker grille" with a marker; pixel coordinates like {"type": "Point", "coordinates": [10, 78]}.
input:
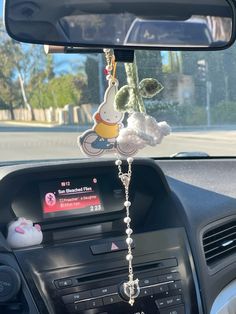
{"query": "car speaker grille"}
{"type": "Point", "coordinates": [219, 242]}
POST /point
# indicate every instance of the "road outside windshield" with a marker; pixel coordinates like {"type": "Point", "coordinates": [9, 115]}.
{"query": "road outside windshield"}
{"type": "Point", "coordinates": [47, 101]}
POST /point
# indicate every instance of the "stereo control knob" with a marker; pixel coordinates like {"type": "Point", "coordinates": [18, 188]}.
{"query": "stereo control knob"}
{"type": "Point", "coordinates": [124, 291]}
{"type": "Point", "coordinates": [10, 283]}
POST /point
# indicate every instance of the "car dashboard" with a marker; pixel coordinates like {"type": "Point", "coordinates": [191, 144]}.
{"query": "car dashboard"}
{"type": "Point", "coordinates": [179, 209]}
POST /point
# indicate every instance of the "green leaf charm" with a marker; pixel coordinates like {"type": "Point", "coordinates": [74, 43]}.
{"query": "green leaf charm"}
{"type": "Point", "coordinates": [122, 99]}
{"type": "Point", "coordinates": [150, 87]}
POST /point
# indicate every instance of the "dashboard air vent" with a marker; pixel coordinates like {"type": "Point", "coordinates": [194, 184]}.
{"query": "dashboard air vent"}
{"type": "Point", "coordinates": [219, 242]}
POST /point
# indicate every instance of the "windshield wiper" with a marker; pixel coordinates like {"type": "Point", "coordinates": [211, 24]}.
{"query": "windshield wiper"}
{"type": "Point", "coordinates": [190, 155]}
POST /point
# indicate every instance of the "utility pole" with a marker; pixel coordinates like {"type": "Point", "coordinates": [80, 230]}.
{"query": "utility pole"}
{"type": "Point", "coordinates": [208, 102]}
{"type": "Point", "coordinates": [27, 105]}
{"type": "Point", "coordinates": [204, 77]}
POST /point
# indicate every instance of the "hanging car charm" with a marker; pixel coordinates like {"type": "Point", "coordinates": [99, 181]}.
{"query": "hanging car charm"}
{"type": "Point", "coordinates": [131, 288]}
{"type": "Point", "coordinates": [108, 135]}
{"type": "Point", "coordinates": [107, 124]}
{"type": "Point", "coordinates": [102, 138]}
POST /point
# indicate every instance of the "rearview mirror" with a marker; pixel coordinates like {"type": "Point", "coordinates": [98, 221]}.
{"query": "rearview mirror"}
{"type": "Point", "coordinates": [122, 23]}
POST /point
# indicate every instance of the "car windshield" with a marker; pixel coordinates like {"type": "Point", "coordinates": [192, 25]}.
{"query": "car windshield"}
{"type": "Point", "coordinates": [46, 102]}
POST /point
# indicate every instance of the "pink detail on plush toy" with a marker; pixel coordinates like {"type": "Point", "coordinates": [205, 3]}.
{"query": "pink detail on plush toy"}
{"type": "Point", "coordinates": [37, 227]}
{"type": "Point", "coordinates": [19, 230]}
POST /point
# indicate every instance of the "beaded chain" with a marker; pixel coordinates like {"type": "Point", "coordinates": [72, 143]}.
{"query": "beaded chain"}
{"type": "Point", "coordinates": [110, 64]}
{"type": "Point", "coordinates": [131, 288]}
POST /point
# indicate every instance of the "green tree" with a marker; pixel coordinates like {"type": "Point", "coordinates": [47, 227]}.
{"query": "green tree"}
{"type": "Point", "coordinates": [91, 87]}
{"type": "Point", "coordinates": [24, 70]}
{"type": "Point", "coordinates": [218, 63]}
{"type": "Point", "coordinates": [151, 64]}
{"type": "Point", "coordinates": [34, 70]}
{"type": "Point", "coordinates": [174, 64]}
{"type": "Point", "coordinates": [57, 92]}
{"type": "Point", "coordinates": [9, 91]}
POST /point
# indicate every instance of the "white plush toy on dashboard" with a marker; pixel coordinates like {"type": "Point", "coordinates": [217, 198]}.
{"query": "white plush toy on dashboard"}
{"type": "Point", "coordinates": [23, 233]}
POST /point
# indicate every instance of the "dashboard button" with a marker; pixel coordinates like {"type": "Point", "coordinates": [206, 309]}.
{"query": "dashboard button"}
{"type": "Point", "coordinates": [119, 245]}
{"type": "Point", "coordinates": [177, 299]}
{"type": "Point", "coordinates": [177, 285]}
{"type": "Point", "coordinates": [160, 303]}
{"type": "Point", "coordinates": [71, 298]}
{"type": "Point", "coordinates": [145, 291]}
{"type": "Point", "coordinates": [175, 310]}
{"type": "Point", "coordinates": [99, 248]}
{"type": "Point", "coordinates": [147, 282]}
{"type": "Point", "coordinates": [170, 301]}
{"type": "Point", "coordinates": [160, 288]}
{"type": "Point", "coordinates": [104, 291]}
{"type": "Point", "coordinates": [64, 283]}
{"type": "Point", "coordinates": [110, 247]}
{"type": "Point", "coordinates": [74, 308]}
{"type": "Point", "coordinates": [169, 277]}
{"type": "Point", "coordinates": [112, 299]}
{"type": "Point", "coordinates": [93, 304]}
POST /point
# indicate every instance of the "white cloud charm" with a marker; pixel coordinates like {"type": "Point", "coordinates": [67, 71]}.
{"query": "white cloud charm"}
{"type": "Point", "coordinates": [143, 130]}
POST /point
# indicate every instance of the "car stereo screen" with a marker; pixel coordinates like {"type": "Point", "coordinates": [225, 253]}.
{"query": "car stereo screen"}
{"type": "Point", "coordinates": [70, 197]}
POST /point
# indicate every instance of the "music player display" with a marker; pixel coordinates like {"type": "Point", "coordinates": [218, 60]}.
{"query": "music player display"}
{"type": "Point", "coordinates": [70, 197]}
